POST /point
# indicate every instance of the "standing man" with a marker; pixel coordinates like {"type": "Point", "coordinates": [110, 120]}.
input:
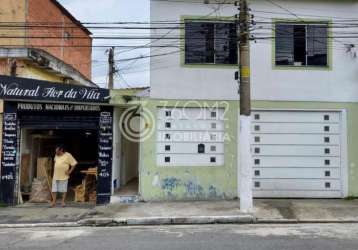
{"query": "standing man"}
{"type": "Point", "coordinates": [64, 166]}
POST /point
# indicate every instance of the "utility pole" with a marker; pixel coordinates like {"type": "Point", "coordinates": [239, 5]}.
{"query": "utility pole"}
{"type": "Point", "coordinates": [245, 159]}
{"type": "Point", "coordinates": [111, 68]}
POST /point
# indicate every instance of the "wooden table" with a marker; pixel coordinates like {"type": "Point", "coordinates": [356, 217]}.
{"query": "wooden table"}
{"type": "Point", "coordinates": [89, 182]}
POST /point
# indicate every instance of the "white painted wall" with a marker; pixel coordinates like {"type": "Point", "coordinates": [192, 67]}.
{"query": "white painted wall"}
{"type": "Point", "coordinates": [172, 81]}
{"type": "Point", "coordinates": [116, 149]}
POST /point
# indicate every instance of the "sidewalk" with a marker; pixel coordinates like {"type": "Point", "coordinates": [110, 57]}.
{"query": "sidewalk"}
{"type": "Point", "coordinates": [201, 212]}
{"type": "Point", "coordinates": [154, 213]}
{"type": "Point", "coordinates": [306, 210]}
{"type": "Point", "coordinates": [41, 213]}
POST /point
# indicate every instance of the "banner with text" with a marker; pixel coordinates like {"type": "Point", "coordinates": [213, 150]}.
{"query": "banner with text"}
{"type": "Point", "coordinates": [16, 88]}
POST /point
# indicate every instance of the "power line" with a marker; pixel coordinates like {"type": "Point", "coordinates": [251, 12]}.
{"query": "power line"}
{"type": "Point", "coordinates": [144, 38]}
{"type": "Point", "coordinates": [148, 56]}
{"type": "Point", "coordinates": [283, 8]}
{"type": "Point", "coordinates": [290, 12]}
{"type": "Point", "coordinates": [79, 46]}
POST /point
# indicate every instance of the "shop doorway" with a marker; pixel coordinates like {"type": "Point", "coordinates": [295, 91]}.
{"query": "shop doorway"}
{"type": "Point", "coordinates": [128, 150]}
{"type": "Point", "coordinates": [36, 163]}
{"type": "Point", "coordinates": [129, 168]}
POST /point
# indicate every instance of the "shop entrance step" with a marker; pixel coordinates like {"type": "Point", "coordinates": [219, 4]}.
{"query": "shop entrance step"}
{"type": "Point", "coordinates": [124, 199]}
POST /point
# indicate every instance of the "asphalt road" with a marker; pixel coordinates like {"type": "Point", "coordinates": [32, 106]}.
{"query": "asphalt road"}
{"type": "Point", "coordinates": [218, 237]}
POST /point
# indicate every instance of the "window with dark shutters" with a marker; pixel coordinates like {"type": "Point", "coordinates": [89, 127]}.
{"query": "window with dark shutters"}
{"type": "Point", "coordinates": [210, 43]}
{"type": "Point", "coordinates": [301, 44]}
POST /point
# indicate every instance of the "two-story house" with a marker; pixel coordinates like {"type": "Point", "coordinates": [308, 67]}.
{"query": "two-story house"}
{"type": "Point", "coordinates": [40, 39]}
{"type": "Point", "coordinates": [304, 94]}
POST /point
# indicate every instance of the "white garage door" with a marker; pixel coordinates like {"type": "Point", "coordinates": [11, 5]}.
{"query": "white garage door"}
{"type": "Point", "coordinates": [297, 154]}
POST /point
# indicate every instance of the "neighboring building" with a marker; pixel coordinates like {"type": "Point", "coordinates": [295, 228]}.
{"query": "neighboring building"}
{"type": "Point", "coordinates": [39, 64]}
{"type": "Point", "coordinates": [46, 25]}
{"type": "Point", "coordinates": [47, 97]}
{"type": "Point", "coordinates": [38, 115]}
{"type": "Point", "coordinates": [305, 101]}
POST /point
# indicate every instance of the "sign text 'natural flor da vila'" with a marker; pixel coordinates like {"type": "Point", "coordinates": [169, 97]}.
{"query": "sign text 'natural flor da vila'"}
{"type": "Point", "coordinates": [15, 88]}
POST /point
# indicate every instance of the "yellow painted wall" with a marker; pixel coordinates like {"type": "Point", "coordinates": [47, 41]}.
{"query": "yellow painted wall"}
{"type": "Point", "coordinates": [26, 70]}
{"type": "Point", "coordinates": [29, 71]}
{"type": "Point", "coordinates": [13, 11]}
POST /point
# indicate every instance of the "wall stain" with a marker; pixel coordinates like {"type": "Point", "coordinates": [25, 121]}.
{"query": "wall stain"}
{"type": "Point", "coordinates": [172, 187]}
{"type": "Point", "coordinates": [169, 184]}
{"type": "Point", "coordinates": [212, 192]}
{"type": "Point", "coordinates": [193, 189]}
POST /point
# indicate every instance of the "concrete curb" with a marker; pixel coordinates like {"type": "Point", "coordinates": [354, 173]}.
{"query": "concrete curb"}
{"type": "Point", "coordinates": [38, 225]}
{"type": "Point", "coordinates": [193, 220]}
{"type": "Point", "coordinates": [304, 221]}
{"type": "Point", "coordinates": [146, 221]}
{"type": "Point", "coordinates": [276, 221]}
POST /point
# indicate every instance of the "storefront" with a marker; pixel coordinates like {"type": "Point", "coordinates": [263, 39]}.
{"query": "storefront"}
{"type": "Point", "coordinates": [39, 115]}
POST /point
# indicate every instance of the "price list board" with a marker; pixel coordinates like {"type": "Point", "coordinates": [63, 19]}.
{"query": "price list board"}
{"type": "Point", "coordinates": [9, 154]}
{"type": "Point", "coordinates": [105, 156]}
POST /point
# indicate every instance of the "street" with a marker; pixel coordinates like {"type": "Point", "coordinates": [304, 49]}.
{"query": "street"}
{"type": "Point", "coordinates": [221, 237]}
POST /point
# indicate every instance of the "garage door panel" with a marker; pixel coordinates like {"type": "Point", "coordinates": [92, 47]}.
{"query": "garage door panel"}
{"type": "Point", "coordinates": [296, 194]}
{"type": "Point", "coordinates": [300, 173]}
{"type": "Point", "coordinates": [295, 128]}
{"type": "Point", "coordinates": [297, 184]}
{"type": "Point", "coordinates": [296, 116]}
{"type": "Point", "coordinates": [295, 139]}
{"type": "Point", "coordinates": [186, 113]}
{"type": "Point", "coordinates": [189, 125]}
{"type": "Point", "coordinates": [190, 159]}
{"type": "Point", "coordinates": [187, 148]}
{"type": "Point", "coordinates": [190, 136]}
{"type": "Point", "coordinates": [296, 150]}
{"type": "Point", "coordinates": [282, 161]}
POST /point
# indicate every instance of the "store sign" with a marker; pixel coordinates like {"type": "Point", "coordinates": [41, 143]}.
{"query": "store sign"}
{"type": "Point", "coordinates": [22, 106]}
{"type": "Point", "coordinates": [15, 88]}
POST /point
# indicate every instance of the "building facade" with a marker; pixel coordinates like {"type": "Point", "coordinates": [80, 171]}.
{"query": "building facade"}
{"type": "Point", "coordinates": [47, 97]}
{"type": "Point", "coordinates": [304, 92]}
{"type": "Point", "coordinates": [46, 25]}
{"type": "Point", "coordinates": [38, 115]}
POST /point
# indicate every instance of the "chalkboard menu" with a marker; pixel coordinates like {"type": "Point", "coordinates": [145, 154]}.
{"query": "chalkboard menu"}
{"type": "Point", "coordinates": [104, 156]}
{"type": "Point", "coordinates": [9, 154]}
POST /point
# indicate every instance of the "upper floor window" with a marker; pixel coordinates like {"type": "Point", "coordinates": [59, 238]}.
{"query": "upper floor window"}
{"type": "Point", "coordinates": [210, 43]}
{"type": "Point", "coordinates": [301, 44]}
{"type": "Point", "coordinates": [67, 35]}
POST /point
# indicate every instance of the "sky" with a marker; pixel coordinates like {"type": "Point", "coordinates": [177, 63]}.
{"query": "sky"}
{"type": "Point", "coordinates": [115, 11]}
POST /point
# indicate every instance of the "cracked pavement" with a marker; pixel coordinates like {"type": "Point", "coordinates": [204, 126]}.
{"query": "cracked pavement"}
{"type": "Point", "coordinates": [264, 236]}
